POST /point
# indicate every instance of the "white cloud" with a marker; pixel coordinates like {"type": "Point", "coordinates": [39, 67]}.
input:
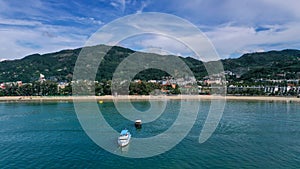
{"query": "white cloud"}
{"type": "Point", "coordinates": [18, 22]}
{"type": "Point", "coordinates": [159, 44]}
{"type": "Point", "coordinates": [85, 20]}
{"type": "Point", "coordinates": [291, 6]}
{"type": "Point", "coordinates": [144, 5]}
{"type": "Point", "coordinates": [119, 4]}
{"type": "Point", "coordinates": [233, 26]}
{"type": "Point", "coordinates": [17, 43]}
{"type": "Point", "coordinates": [234, 39]}
{"type": "Point", "coordinates": [249, 12]}
{"type": "Point", "coordinates": [166, 34]}
{"type": "Point", "coordinates": [40, 28]}
{"type": "Point", "coordinates": [236, 27]}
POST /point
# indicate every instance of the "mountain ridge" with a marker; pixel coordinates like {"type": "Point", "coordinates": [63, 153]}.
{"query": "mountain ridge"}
{"type": "Point", "coordinates": [58, 66]}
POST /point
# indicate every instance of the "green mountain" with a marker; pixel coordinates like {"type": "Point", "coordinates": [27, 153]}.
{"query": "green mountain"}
{"type": "Point", "coordinates": [272, 65]}
{"type": "Point", "coordinates": [59, 66]}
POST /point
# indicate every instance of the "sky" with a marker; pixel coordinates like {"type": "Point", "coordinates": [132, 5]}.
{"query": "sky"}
{"type": "Point", "coordinates": [234, 27]}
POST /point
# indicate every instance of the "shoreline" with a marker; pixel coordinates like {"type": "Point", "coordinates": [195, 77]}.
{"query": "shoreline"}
{"type": "Point", "coordinates": [142, 98]}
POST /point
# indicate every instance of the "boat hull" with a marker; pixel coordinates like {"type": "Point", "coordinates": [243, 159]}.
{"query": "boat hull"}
{"type": "Point", "coordinates": [124, 138]}
{"type": "Point", "coordinates": [138, 125]}
{"type": "Point", "coordinates": [123, 144]}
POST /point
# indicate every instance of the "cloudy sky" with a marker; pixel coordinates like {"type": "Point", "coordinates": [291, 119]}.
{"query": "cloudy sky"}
{"type": "Point", "coordinates": [234, 27]}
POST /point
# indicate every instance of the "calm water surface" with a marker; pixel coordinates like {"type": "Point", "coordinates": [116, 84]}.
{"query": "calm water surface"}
{"type": "Point", "coordinates": [250, 135]}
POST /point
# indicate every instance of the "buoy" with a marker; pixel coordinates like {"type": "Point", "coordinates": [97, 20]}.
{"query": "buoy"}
{"type": "Point", "coordinates": [138, 124]}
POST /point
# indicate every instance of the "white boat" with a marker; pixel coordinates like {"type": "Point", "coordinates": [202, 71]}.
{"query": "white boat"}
{"type": "Point", "coordinates": [124, 138]}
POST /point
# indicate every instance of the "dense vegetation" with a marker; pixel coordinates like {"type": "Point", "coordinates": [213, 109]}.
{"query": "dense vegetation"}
{"type": "Point", "coordinates": [59, 66]}
{"type": "Point", "coordinates": [270, 65]}
{"type": "Point", "coordinates": [49, 88]}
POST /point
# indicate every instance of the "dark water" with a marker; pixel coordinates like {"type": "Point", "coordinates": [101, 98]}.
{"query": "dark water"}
{"type": "Point", "coordinates": [250, 135]}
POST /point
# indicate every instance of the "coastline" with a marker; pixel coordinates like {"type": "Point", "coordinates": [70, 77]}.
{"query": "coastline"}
{"type": "Point", "coordinates": [142, 98]}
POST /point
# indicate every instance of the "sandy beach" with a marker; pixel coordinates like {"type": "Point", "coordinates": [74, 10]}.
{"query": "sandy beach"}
{"type": "Point", "coordinates": [141, 98]}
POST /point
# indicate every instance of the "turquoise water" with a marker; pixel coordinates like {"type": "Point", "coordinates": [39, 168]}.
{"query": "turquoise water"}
{"type": "Point", "coordinates": [249, 135]}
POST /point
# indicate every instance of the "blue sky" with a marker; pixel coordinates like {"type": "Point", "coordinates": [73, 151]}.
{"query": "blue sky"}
{"type": "Point", "coordinates": [234, 27]}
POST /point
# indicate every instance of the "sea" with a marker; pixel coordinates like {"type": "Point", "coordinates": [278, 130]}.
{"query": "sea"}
{"type": "Point", "coordinates": [250, 134]}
